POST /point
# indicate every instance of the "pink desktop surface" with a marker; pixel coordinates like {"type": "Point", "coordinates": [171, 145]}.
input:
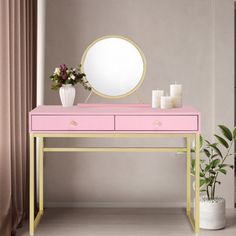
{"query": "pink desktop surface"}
{"type": "Point", "coordinates": [111, 109]}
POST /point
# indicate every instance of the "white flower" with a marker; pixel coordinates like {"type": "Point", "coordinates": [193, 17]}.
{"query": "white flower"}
{"type": "Point", "coordinates": [72, 76]}
{"type": "Point", "coordinates": [57, 71]}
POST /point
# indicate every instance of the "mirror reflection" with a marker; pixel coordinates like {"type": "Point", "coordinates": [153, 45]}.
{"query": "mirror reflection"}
{"type": "Point", "coordinates": [114, 66]}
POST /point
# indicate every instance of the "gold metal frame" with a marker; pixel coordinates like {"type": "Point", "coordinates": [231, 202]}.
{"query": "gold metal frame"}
{"type": "Point", "coordinates": [33, 222]}
{"type": "Point", "coordinates": [141, 53]}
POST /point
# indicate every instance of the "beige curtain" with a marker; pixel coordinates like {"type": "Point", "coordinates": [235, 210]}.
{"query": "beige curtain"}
{"type": "Point", "coordinates": [17, 97]}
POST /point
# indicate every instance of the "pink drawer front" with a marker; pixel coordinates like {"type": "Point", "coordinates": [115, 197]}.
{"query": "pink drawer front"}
{"type": "Point", "coordinates": [161, 123]}
{"type": "Point", "coordinates": [62, 123]}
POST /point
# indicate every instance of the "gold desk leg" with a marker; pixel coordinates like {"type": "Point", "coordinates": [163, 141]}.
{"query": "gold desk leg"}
{"type": "Point", "coordinates": [41, 157]}
{"type": "Point", "coordinates": [197, 184]}
{"type": "Point", "coordinates": [188, 187]}
{"type": "Point", "coordinates": [31, 180]}
{"type": "Point", "coordinates": [34, 222]}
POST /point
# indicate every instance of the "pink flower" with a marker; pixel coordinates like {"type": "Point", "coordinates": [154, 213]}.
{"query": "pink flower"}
{"type": "Point", "coordinates": [63, 69]}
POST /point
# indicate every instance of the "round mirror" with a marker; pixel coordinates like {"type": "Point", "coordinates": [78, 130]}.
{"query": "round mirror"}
{"type": "Point", "coordinates": [114, 66]}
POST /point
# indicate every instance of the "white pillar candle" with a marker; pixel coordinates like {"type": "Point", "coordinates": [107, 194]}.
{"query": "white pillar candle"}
{"type": "Point", "coordinates": [166, 102]}
{"type": "Point", "coordinates": [176, 93]}
{"type": "Point", "coordinates": [176, 90]}
{"type": "Point", "coordinates": [177, 101]}
{"type": "Point", "coordinates": [156, 98]}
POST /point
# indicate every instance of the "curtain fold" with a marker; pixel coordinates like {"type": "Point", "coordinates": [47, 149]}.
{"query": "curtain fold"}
{"type": "Point", "coordinates": [17, 97]}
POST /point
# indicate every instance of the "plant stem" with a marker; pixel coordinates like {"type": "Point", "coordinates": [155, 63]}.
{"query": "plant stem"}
{"type": "Point", "coordinates": [208, 191]}
{"type": "Point", "coordinates": [208, 195]}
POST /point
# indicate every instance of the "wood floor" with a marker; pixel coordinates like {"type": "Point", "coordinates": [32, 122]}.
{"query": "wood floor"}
{"type": "Point", "coordinates": [122, 222]}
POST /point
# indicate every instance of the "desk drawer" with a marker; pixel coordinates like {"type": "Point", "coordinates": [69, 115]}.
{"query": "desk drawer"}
{"type": "Point", "coordinates": [60, 123]}
{"type": "Point", "coordinates": [161, 123]}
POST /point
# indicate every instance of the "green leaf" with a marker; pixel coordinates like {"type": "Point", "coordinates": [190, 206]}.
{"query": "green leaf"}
{"type": "Point", "coordinates": [193, 167]}
{"type": "Point", "coordinates": [226, 132]}
{"type": "Point", "coordinates": [207, 168]}
{"type": "Point", "coordinates": [202, 182]}
{"type": "Point", "coordinates": [212, 172]}
{"type": "Point", "coordinates": [216, 149]}
{"type": "Point", "coordinates": [222, 165]}
{"type": "Point", "coordinates": [207, 142]}
{"type": "Point", "coordinates": [215, 163]}
{"type": "Point", "coordinates": [213, 144]}
{"type": "Point", "coordinates": [201, 141]}
{"type": "Point", "coordinates": [226, 165]}
{"type": "Point", "coordinates": [222, 141]}
{"type": "Point", "coordinates": [234, 133]}
{"type": "Point", "coordinates": [223, 171]}
{"type": "Point", "coordinates": [193, 163]}
{"type": "Point", "coordinates": [202, 174]}
{"type": "Point", "coordinates": [208, 154]}
{"type": "Point", "coordinates": [210, 180]}
{"type": "Point", "coordinates": [213, 156]}
{"type": "Point", "coordinates": [55, 87]}
{"type": "Point", "coordinates": [207, 181]}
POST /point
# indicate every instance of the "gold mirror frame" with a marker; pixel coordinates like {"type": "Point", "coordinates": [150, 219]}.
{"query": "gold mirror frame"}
{"type": "Point", "coordinates": [139, 50]}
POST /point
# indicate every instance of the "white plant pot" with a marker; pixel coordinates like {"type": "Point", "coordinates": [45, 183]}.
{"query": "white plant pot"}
{"type": "Point", "coordinates": [212, 213]}
{"type": "Point", "coordinates": [67, 95]}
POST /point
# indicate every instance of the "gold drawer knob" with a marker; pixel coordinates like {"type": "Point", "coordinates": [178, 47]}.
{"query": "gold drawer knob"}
{"type": "Point", "coordinates": [157, 123]}
{"type": "Point", "coordinates": [73, 123]}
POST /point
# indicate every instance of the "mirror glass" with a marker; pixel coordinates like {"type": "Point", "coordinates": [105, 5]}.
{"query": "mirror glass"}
{"type": "Point", "coordinates": [114, 66]}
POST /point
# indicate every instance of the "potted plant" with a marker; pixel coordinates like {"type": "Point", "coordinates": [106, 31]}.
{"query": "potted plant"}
{"type": "Point", "coordinates": [212, 165]}
{"type": "Point", "coordinates": [64, 79]}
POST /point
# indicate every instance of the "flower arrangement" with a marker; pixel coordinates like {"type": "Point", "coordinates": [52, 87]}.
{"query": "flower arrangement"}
{"type": "Point", "coordinates": [63, 75]}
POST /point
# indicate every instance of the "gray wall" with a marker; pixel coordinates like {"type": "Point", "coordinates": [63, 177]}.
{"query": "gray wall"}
{"type": "Point", "coordinates": [189, 41]}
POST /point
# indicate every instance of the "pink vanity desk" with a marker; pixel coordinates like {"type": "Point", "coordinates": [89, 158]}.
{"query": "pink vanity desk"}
{"type": "Point", "coordinates": [113, 121]}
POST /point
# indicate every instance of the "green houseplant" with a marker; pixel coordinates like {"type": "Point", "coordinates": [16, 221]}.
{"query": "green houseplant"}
{"type": "Point", "coordinates": [213, 163]}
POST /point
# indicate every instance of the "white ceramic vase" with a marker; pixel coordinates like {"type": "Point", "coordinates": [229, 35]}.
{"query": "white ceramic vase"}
{"type": "Point", "coordinates": [67, 95]}
{"type": "Point", "coordinates": [212, 213]}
